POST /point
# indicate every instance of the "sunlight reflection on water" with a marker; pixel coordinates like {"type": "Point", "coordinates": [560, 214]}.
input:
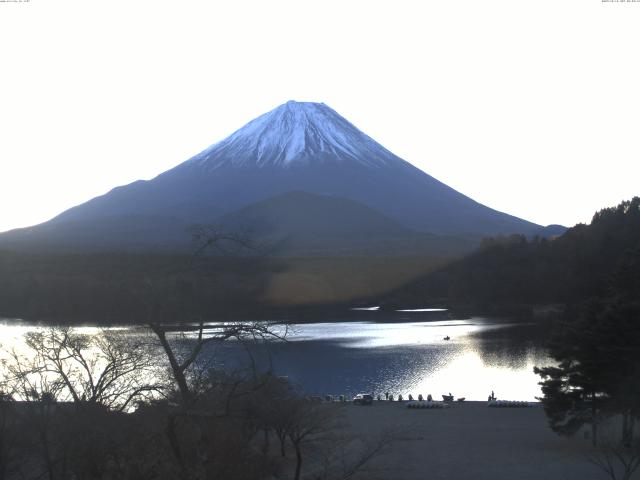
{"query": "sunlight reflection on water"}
{"type": "Point", "coordinates": [371, 335]}
{"type": "Point", "coordinates": [400, 357]}
{"type": "Point", "coordinates": [413, 357]}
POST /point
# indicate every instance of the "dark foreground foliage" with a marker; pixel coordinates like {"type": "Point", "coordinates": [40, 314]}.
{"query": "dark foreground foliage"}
{"type": "Point", "coordinates": [597, 376]}
{"type": "Point", "coordinates": [149, 405]}
{"type": "Point", "coordinates": [48, 439]}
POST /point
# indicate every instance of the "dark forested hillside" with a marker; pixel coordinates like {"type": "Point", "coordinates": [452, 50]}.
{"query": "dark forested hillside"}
{"type": "Point", "coordinates": [128, 288]}
{"type": "Point", "coordinates": [136, 288]}
{"type": "Point", "coordinates": [517, 270]}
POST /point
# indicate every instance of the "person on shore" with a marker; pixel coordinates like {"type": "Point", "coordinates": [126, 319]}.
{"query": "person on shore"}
{"type": "Point", "coordinates": [386, 396]}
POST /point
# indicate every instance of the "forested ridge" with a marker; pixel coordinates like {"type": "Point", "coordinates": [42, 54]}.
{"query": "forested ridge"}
{"type": "Point", "coordinates": [516, 270]}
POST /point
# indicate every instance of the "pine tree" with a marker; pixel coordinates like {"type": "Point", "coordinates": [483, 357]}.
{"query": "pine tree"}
{"type": "Point", "coordinates": [597, 348]}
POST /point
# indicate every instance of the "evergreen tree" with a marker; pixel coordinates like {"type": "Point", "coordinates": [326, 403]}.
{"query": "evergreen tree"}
{"type": "Point", "coordinates": [576, 391]}
{"type": "Point", "coordinates": [597, 348]}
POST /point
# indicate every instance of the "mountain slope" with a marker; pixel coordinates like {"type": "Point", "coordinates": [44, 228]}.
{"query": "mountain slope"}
{"type": "Point", "coordinates": [304, 147]}
{"type": "Point", "coordinates": [307, 224]}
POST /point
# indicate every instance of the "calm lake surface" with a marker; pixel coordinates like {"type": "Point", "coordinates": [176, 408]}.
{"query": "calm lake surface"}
{"type": "Point", "coordinates": [403, 353]}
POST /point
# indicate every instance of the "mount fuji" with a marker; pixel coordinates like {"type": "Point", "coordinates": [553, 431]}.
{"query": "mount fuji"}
{"type": "Point", "coordinates": [285, 176]}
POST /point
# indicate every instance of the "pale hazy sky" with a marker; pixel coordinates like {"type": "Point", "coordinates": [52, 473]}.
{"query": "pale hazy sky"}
{"type": "Point", "coordinates": [531, 107]}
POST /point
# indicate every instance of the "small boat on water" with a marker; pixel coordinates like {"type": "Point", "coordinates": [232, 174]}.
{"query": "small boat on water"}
{"type": "Point", "coordinates": [447, 338]}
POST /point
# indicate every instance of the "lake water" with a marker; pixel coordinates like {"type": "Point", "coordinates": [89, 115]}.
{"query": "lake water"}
{"type": "Point", "coordinates": [402, 353]}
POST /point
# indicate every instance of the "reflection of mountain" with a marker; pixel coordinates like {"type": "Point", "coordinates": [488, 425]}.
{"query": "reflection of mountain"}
{"type": "Point", "coordinates": [297, 147]}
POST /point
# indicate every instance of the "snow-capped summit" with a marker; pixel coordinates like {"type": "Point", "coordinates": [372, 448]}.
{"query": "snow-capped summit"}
{"type": "Point", "coordinates": [295, 132]}
{"type": "Point", "coordinates": [300, 147]}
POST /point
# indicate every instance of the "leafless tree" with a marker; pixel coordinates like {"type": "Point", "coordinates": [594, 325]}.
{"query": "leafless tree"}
{"type": "Point", "coordinates": [344, 456]}
{"type": "Point", "coordinates": [183, 359]}
{"type": "Point", "coordinates": [214, 237]}
{"type": "Point", "coordinates": [308, 422]}
{"type": "Point", "coordinates": [25, 378]}
{"type": "Point", "coordinates": [70, 387]}
{"type": "Point", "coordinates": [107, 368]}
{"type": "Point", "coordinates": [319, 437]}
{"type": "Point", "coordinates": [616, 460]}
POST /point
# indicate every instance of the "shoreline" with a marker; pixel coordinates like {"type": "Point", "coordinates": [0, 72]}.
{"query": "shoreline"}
{"type": "Point", "coordinates": [468, 440]}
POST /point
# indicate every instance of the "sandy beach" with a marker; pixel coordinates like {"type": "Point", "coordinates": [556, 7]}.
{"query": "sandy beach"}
{"type": "Point", "coordinates": [469, 441]}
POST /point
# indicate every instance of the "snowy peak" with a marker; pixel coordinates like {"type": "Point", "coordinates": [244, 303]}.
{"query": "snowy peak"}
{"type": "Point", "coordinates": [295, 133]}
{"type": "Point", "coordinates": [297, 147]}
